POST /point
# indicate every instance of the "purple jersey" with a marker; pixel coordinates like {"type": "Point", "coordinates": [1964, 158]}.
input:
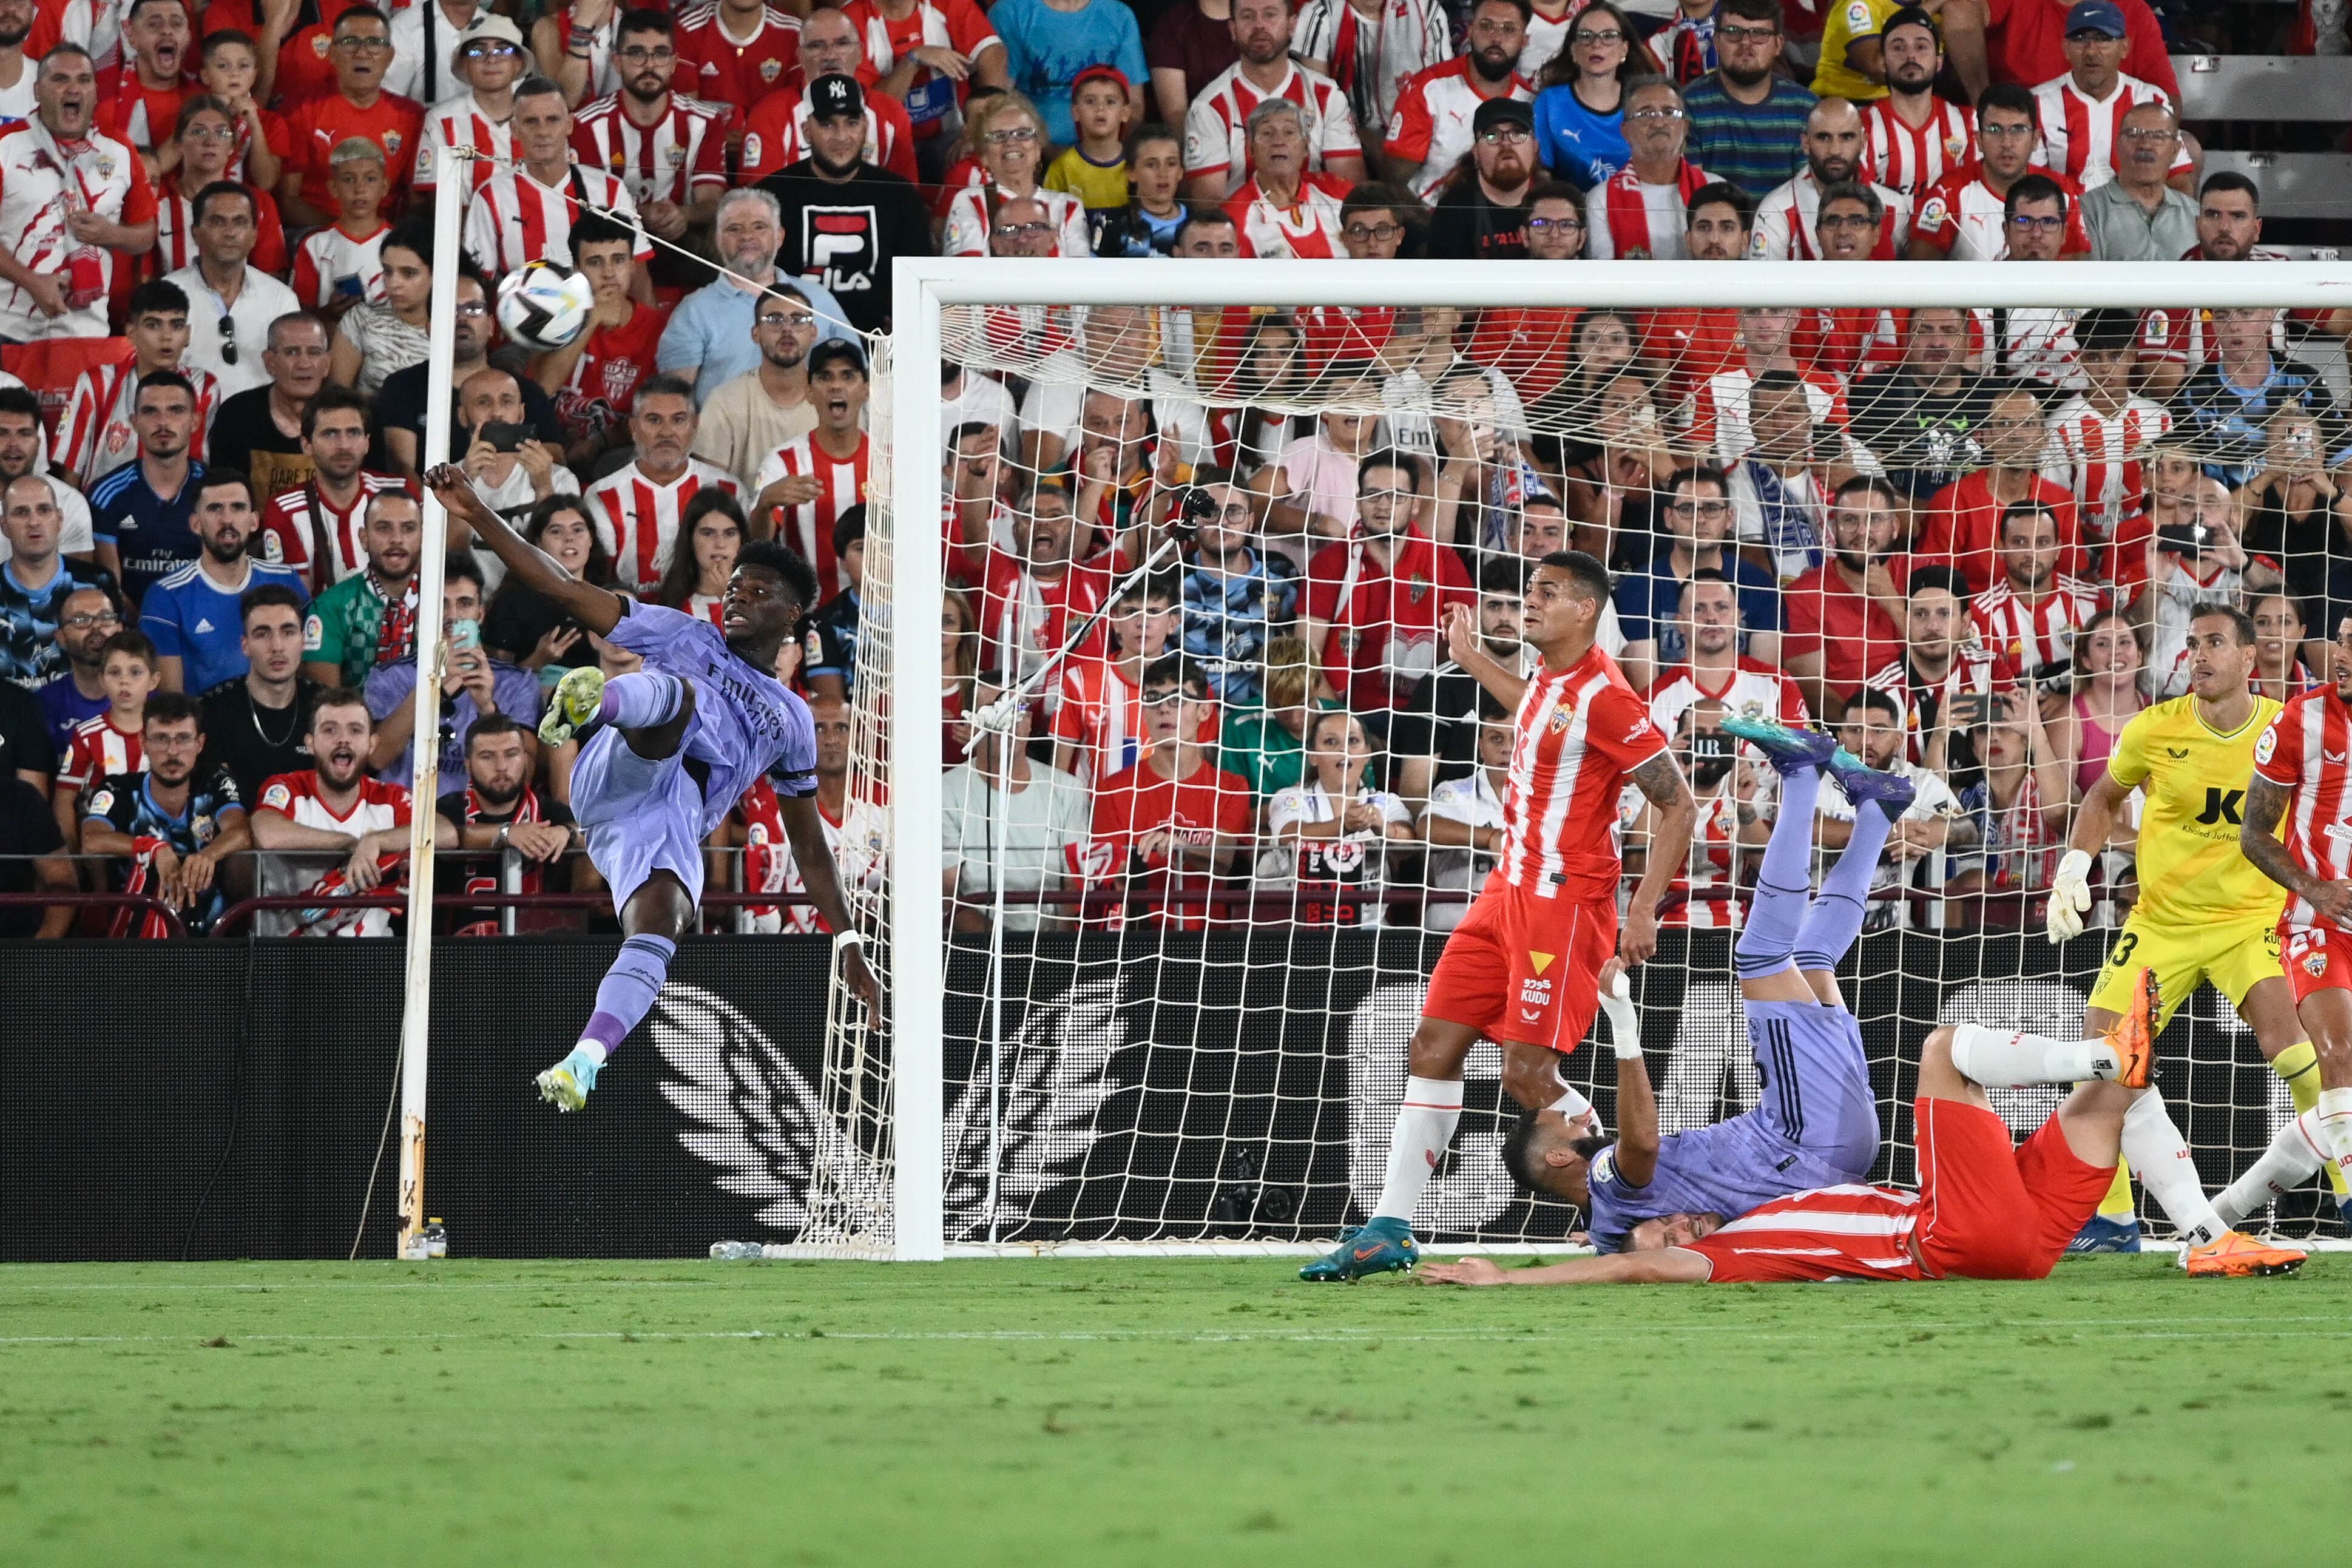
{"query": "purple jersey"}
{"type": "Point", "coordinates": [1815, 1125]}
{"type": "Point", "coordinates": [746, 723]}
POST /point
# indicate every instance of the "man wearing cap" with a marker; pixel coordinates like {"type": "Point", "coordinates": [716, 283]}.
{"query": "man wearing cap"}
{"type": "Point", "coordinates": [1639, 213]}
{"type": "Point", "coordinates": [1913, 136]}
{"type": "Point", "coordinates": [477, 111]}
{"type": "Point", "coordinates": [1482, 212]}
{"type": "Point", "coordinates": [776, 132]}
{"type": "Point", "coordinates": [1440, 111]}
{"type": "Point", "coordinates": [2023, 41]}
{"type": "Point", "coordinates": [2082, 112]}
{"type": "Point", "coordinates": [426, 38]}
{"type": "Point", "coordinates": [844, 220]}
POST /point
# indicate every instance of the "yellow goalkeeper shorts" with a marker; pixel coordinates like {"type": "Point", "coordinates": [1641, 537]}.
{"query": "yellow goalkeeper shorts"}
{"type": "Point", "coordinates": [2236, 956]}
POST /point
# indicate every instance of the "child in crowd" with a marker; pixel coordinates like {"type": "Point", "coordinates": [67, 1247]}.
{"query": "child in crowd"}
{"type": "Point", "coordinates": [110, 742]}
{"type": "Point", "coordinates": [1095, 171]}
{"type": "Point", "coordinates": [342, 264]}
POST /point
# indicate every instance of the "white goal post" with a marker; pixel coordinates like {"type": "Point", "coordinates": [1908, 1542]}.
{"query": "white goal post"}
{"type": "Point", "coordinates": [918, 942]}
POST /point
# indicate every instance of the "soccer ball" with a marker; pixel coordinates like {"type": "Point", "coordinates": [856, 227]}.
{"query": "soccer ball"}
{"type": "Point", "coordinates": [543, 305]}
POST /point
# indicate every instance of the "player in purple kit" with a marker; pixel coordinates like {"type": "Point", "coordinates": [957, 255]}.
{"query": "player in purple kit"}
{"type": "Point", "coordinates": [1816, 1122]}
{"type": "Point", "coordinates": [668, 749]}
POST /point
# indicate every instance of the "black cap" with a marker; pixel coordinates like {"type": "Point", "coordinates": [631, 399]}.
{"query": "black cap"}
{"type": "Point", "coordinates": [1910, 17]}
{"type": "Point", "coordinates": [1502, 111]}
{"type": "Point", "coordinates": [833, 95]}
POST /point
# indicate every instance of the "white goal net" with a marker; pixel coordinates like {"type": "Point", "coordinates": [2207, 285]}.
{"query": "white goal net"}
{"type": "Point", "coordinates": [1154, 958]}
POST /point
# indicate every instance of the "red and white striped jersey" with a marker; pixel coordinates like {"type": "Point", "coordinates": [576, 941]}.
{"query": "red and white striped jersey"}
{"type": "Point", "coordinates": [1431, 124]}
{"type": "Point", "coordinates": [2078, 132]}
{"type": "Point", "coordinates": [2031, 342]}
{"type": "Point", "coordinates": [96, 750]}
{"type": "Point", "coordinates": [460, 122]}
{"type": "Point", "coordinates": [1748, 687]}
{"type": "Point", "coordinates": [103, 175]}
{"type": "Point", "coordinates": [2305, 749]}
{"type": "Point", "coordinates": [2102, 453]}
{"type": "Point", "coordinates": [1785, 219]}
{"type": "Point", "coordinates": [958, 25]}
{"type": "Point", "coordinates": [2038, 636]}
{"type": "Point", "coordinates": [1960, 216]}
{"type": "Point", "coordinates": [719, 69]}
{"type": "Point", "coordinates": [808, 527]}
{"type": "Point", "coordinates": [302, 528]}
{"type": "Point", "coordinates": [1975, 668]}
{"type": "Point", "coordinates": [637, 520]}
{"type": "Point", "coordinates": [1216, 137]}
{"type": "Point", "coordinates": [1850, 1232]}
{"type": "Point", "coordinates": [1715, 839]}
{"type": "Point", "coordinates": [296, 797]}
{"type": "Point", "coordinates": [1307, 232]}
{"type": "Point", "coordinates": [1718, 411]}
{"type": "Point", "coordinates": [777, 134]}
{"type": "Point", "coordinates": [768, 864]}
{"type": "Point", "coordinates": [1100, 713]}
{"type": "Point", "coordinates": [1023, 617]}
{"type": "Point", "coordinates": [1908, 158]}
{"type": "Point", "coordinates": [1372, 56]}
{"type": "Point", "coordinates": [513, 219]}
{"type": "Point", "coordinates": [94, 431]}
{"type": "Point", "coordinates": [1577, 735]}
{"type": "Point", "coordinates": [677, 159]}
{"type": "Point", "coordinates": [328, 256]}
{"type": "Point", "coordinates": [966, 233]}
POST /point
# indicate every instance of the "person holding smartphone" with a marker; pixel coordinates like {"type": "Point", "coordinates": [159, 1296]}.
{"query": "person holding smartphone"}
{"type": "Point", "coordinates": [513, 471]}
{"type": "Point", "coordinates": [473, 684]}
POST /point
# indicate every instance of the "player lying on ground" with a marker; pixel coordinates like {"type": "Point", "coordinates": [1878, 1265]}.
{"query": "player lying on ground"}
{"type": "Point", "coordinates": [667, 752]}
{"type": "Point", "coordinates": [2205, 912]}
{"type": "Point", "coordinates": [2302, 775]}
{"type": "Point", "coordinates": [1816, 1122]}
{"type": "Point", "coordinates": [1524, 967]}
{"type": "Point", "coordinates": [1984, 1209]}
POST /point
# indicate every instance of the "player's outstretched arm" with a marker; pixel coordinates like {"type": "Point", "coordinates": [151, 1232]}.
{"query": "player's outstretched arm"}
{"type": "Point", "coordinates": [2258, 838]}
{"type": "Point", "coordinates": [1666, 1266]}
{"type": "Point", "coordinates": [598, 609]}
{"type": "Point", "coordinates": [805, 828]}
{"type": "Point", "coordinates": [1464, 646]}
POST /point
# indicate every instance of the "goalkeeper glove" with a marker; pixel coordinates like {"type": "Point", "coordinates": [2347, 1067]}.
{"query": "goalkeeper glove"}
{"type": "Point", "coordinates": [1624, 1023]}
{"type": "Point", "coordinates": [2070, 896]}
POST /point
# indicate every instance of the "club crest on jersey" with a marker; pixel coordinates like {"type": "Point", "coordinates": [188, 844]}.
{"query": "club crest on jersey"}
{"type": "Point", "coordinates": [321, 45]}
{"type": "Point", "coordinates": [771, 69]}
{"type": "Point", "coordinates": [1417, 589]}
{"type": "Point", "coordinates": [2315, 963]}
{"type": "Point", "coordinates": [391, 143]}
{"type": "Point", "coordinates": [1955, 144]}
{"type": "Point", "coordinates": [105, 168]}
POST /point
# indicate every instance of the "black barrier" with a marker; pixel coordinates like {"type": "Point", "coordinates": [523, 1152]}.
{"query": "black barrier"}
{"type": "Point", "coordinates": [170, 1100]}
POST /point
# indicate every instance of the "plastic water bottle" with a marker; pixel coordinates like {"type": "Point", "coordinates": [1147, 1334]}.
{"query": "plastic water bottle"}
{"type": "Point", "coordinates": [436, 1237]}
{"type": "Point", "coordinates": [735, 1251]}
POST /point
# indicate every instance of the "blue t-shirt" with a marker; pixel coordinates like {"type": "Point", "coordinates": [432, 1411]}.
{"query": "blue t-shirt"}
{"type": "Point", "coordinates": [150, 532]}
{"type": "Point", "coordinates": [1647, 600]}
{"type": "Point", "coordinates": [1045, 50]}
{"type": "Point", "coordinates": [190, 617]}
{"type": "Point", "coordinates": [63, 705]}
{"type": "Point", "coordinates": [1576, 144]}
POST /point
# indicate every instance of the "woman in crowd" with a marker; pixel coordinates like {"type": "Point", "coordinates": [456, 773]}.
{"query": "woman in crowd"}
{"type": "Point", "coordinates": [2280, 671]}
{"type": "Point", "coordinates": [1580, 112]}
{"type": "Point", "coordinates": [2286, 509]}
{"type": "Point", "coordinates": [1009, 139]}
{"type": "Point", "coordinates": [2110, 686]}
{"type": "Point", "coordinates": [709, 534]}
{"type": "Point", "coordinates": [526, 628]}
{"type": "Point", "coordinates": [373, 340]}
{"type": "Point", "coordinates": [1330, 831]}
{"type": "Point", "coordinates": [1614, 493]}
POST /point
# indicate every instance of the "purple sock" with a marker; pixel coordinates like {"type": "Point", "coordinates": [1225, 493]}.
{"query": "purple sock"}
{"type": "Point", "coordinates": [626, 992]}
{"type": "Point", "coordinates": [1784, 883]}
{"type": "Point", "coordinates": [1836, 919]}
{"type": "Point", "coordinates": [641, 699]}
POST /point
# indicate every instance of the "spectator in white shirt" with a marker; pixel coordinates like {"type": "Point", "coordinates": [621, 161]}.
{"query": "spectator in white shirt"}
{"type": "Point", "coordinates": [231, 302]}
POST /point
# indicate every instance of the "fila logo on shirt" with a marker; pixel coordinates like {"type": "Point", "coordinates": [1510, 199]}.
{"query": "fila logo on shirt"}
{"type": "Point", "coordinates": [839, 245]}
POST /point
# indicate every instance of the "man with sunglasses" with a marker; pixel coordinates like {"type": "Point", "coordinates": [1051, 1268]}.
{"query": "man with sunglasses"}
{"type": "Point", "coordinates": [480, 113]}
{"type": "Point", "coordinates": [231, 302]}
{"type": "Point", "coordinates": [1482, 213]}
{"type": "Point", "coordinates": [1444, 112]}
{"type": "Point", "coordinates": [361, 48]}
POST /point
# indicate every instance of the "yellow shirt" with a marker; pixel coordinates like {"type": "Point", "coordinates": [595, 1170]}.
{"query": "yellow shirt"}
{"type": "Point", "coordinates": [2192, 871]}
{"type": "Point", "coordinates": [1851, 23]}
{"type": "Point", "coordinates": [1098, 185]}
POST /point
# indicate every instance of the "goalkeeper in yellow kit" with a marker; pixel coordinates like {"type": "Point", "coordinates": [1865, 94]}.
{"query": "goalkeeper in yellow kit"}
{"type": "Point", "coordinates": [2205, 913]}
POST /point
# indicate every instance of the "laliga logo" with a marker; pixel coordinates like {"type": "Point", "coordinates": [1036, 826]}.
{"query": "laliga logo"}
{"type": "Point", "coordinates": [758, 1122]}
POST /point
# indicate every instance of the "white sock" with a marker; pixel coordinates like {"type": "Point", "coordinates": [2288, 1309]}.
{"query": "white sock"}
{"type": "Point", "coordinates": [594, 1050]}
{"type": "Point", "coordinates": [2004, 1059]}
{"type": "Point", "coordinates": [2160, 1157]}
{"type": "Point", "coordinates": [2293, 1154]}
{"type": "Point", "coordinates": [1425, 1126]}
{"type": "Point", "coordinates": [2332, 1132]}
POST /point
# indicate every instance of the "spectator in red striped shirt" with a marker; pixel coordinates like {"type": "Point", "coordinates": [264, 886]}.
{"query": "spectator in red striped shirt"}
{"type": "Point", "coordinates": [140, 104]}
{"type": "Point", "coordinates": [108, 743]}
{"type": "Point", "coordinates": [2029, 617]}
{"type": "Point", "coordinates": [204, 142]}
{"type": "Point", "coordinates": [314, 527]}
{"type": "Point", "coordinates": [94, 433]}
{"type": "Point", "coordinates": [639, 509]}
{"type": "Point", "coordinates": [805, 485]}
{"type": "Point", "coordinates": [669, 150]}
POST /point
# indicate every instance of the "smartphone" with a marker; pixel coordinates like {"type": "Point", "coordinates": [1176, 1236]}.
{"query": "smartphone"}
{"type": "Point", "coordinates": [466, 635]}
{"type": "Point", "coordinates": [503, 437]}
{"type": "Point", "coordinates": [2182, 539]}
{"type": "Point", "coordinates": [1971, 707]}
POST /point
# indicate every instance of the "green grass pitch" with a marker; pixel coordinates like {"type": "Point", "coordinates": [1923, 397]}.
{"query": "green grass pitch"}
{"type": "Point", "coordinates": [1196, 1413]}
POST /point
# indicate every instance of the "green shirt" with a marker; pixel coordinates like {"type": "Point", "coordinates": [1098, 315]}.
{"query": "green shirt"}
{"type": "Point", "coordinates": [1255, 745]}
{"type": "Point", "coordinates": [355, 626]}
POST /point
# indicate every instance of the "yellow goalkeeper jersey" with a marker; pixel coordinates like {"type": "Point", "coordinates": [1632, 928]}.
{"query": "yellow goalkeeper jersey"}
{"type": "Point", "coordinates": [2190, 867]}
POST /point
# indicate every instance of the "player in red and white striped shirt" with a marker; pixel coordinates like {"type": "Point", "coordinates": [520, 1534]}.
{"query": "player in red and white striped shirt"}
{"type": "Point", "coordinates": [1216, 126]}
{"type": "Point", "coordinates": [810, 482]}
{"type": "Point", "coordinates": [669, 150]}
{"type": "Point", "coordinates": [525, 213]}
{"type": "Point", "coordinates": [2082, 114]}
{"type": "Point", "coordinates": [1524, 967]}
{"type": "Point", "coordinates": [1987, 1207]}
{"type": "Point", "coordinates": [94, 431]}
{"type": "Point", "coordinates": [1911, 136]}
{"type": "Point", "coordinates": [639, 509]}
{"type": "Point", "coordinates": [2028, 618]}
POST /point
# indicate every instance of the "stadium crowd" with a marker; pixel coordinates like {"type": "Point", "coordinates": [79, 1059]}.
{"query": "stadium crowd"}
{"type": "Point", "coordinates": [1971, 539]}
